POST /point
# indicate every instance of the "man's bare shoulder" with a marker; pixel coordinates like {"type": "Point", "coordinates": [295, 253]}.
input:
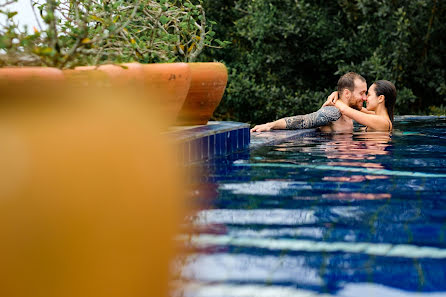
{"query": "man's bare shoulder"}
{"type": "Point", "coordinates": [339, 122]}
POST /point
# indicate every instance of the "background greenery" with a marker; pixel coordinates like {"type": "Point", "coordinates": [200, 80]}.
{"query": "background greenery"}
{"type": "Point", "coordinates": [92, 32]}
{"type": "Point", "coordinates": [286, 56]}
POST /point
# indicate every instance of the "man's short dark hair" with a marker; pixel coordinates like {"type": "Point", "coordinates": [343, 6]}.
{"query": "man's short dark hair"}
{"type": "Point", "coordinates": [347, 81]}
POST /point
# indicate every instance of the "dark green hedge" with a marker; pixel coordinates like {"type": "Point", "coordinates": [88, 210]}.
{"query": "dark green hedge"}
{"type": "Point", "coordinates": [286, 56]}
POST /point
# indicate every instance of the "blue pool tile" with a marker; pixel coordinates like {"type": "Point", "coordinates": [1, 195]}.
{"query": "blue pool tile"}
{"type": "Point", "coordinates": [196, 149]}
{"type": "Point", "coordinates": [205, 148]}
{"type": "Point", "coordinates": [217, 144]}
{"type": "Point", "coordinates": [207, 141]}
{"type": "Point", "coordinates": [228, 143]}
{"type": "Point", "coordinates": [225, 143]}
{"type": "Point", "coordinates": [239, 139]}
{"type": "Point", "coordinates": [233, 140]}
{"type": "Point", "coordinates": [246, 137]}
{"type": "Point", "coordinates": [220, 143]}
{"type": "Point", "coordinates": [211, 146]}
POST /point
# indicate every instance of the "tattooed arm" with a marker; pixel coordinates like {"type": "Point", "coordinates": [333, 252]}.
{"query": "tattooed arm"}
{"type": "Point", "coordinates": [322, 117]}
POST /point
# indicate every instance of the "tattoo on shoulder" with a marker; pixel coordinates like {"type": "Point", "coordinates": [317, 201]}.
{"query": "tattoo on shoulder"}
{"type": "Point", "coordinates": [322, 117]}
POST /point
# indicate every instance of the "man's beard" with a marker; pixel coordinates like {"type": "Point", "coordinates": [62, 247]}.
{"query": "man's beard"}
{"type": "Point", "coordinates": [355, 106]}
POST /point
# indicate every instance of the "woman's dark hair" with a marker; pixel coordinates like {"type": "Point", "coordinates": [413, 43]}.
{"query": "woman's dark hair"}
{"type": "Point", "coordinates": [386, 88]}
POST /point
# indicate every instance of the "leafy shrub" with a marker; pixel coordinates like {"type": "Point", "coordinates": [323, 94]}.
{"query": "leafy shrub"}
{"type": "Point", "coordinates": [437, 110]}
{"type": "Point", "coordinates": [286, 55]}
{"type": "Point", "coordinates": [84, 32]}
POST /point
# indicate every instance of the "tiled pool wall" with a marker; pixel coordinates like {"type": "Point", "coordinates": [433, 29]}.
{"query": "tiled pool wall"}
{"type": "Point", "coordinates": [216, 139]}
{"type": "Point", "coordinates": [200, 143]}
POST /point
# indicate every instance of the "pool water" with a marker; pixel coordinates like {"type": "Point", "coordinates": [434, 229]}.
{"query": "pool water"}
{"type": "Point", "coordinates": [357, 214]}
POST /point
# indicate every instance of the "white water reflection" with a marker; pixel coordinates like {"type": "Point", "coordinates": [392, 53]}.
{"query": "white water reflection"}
{"type": "Point", "coordinates": [313, 232]}
{"type": "Point", "coordinates": [347, 212]}
{"type": "Point", "coordinates": [250, 268]}
{"type": "Point", "coordinates": [299, 245]}
{"type": "Point", "coordinates": [357, 196]}
{"type": "Point", "coordinates": [374, 290]}
{"type": "Point", "coordinates": [270, 187]}
{"type": "Point", "coordinates": [256, 216]}
{"type": "Point", "coordinates": [249, 290]}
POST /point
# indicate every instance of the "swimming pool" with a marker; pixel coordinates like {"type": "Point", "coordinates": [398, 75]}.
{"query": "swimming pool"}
{"type": "Point", "coordinates": [358, 214]}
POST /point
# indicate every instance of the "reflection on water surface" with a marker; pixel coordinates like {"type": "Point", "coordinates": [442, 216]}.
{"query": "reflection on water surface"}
{"type": "Point", "coordinates": [335, 214]}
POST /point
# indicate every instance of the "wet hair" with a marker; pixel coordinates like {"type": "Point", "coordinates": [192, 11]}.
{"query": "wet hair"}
{"type": "Point", "coordinates": [347, 81]}
{"type": "Point", "coordinates": [388, 90]}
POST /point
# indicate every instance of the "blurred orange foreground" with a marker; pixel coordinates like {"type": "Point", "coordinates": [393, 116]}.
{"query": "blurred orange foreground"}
{"type": "Point", "coordinates": [90, 197]}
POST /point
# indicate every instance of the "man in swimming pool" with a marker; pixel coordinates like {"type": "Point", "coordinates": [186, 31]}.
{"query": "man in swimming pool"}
{"type": "Point", "coordinates": [352, 88]}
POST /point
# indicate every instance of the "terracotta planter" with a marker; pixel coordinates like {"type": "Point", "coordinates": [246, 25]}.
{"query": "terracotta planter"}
{"type": "Point", "coordinates": [168, 86]}
{"type": "Point", "coordinates": [90, 196]}
{"type": "Point", "coordinates": [84, 78]}
{"type": "Point", "coordinates": [163, 85]}
{"type": "Point", "coordinates": [27, 82]}
{"type": "Point", "coordinates": [124, 75]}
{"type": "Point", "coordinates": [20, 74]}
{"type": "Point", "coordinates": [206, 90]}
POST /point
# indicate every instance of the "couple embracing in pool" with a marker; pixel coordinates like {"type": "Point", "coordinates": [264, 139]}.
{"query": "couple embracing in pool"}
{"type": "Point", "coordinates": [344, 106]}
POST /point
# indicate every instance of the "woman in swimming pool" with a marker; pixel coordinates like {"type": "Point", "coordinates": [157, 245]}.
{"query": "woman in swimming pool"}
{"type": "Point", "coordinates": [378, 115]}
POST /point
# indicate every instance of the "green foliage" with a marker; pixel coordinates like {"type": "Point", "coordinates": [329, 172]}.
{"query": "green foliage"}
{"type": "Point", "coordinates": [80, 32]}
{"type": "Point", "coordinates": [438, 110]}
{"type": "Point", "coordinates": [162, 31]}
{"type": "Point", "coordinates": [286, 56]}
{"type": "Point", "coordinates": [64, 39]}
